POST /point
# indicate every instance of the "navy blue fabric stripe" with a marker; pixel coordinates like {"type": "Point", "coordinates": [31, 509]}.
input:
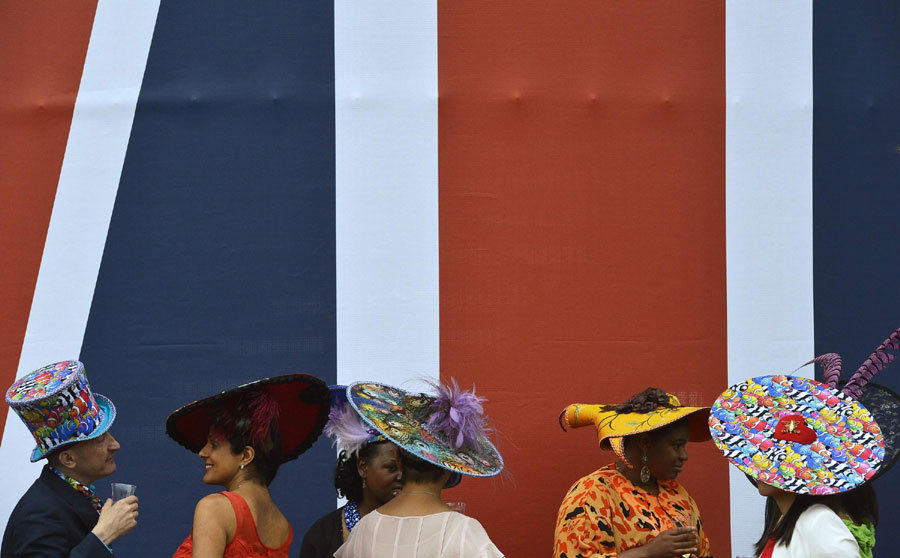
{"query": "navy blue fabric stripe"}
{"type": "Point", "coordinates": [856, 178]}
{"type": "Point", "coordinates": [219, 267]}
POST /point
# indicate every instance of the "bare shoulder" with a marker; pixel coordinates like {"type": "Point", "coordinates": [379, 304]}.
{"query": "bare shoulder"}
{"type": "Point", "coordinates": [213, 507]}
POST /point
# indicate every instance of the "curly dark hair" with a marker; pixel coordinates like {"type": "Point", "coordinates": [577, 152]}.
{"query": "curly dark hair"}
{"type": "Point", "coordinates": [861, 504]}
{"type": "Point", "coordinates": [347, 481]}
{"type": "Point", "coordinates": [646, 401]}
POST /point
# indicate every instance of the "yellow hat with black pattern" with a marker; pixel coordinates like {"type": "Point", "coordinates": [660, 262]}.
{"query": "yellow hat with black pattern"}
{"type": "Point", "coordinates": [613, 426]}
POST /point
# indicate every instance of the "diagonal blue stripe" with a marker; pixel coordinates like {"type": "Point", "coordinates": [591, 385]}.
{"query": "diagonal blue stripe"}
{"type": "Point", "coordinates": [856, 165]}
{"type": "Point", "coordinates": [219, 267]}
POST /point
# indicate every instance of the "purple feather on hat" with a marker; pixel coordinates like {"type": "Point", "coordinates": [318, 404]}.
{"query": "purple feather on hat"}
{"type": "Point", "coordinates": [876, 362]}
{"type": "Point", "coordinates": [347, 429]}
{"type": "Point", "coordinates": [831, 364]}
{"type": "Point", "coordinates": [457, 415]}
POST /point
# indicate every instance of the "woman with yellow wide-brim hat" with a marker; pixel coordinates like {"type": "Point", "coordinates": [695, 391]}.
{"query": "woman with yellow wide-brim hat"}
{"type": "Point", "coordinates": [634, 506]}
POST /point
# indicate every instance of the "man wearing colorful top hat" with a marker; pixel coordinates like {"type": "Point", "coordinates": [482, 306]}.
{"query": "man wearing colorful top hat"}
{"type": "Point", "coordinates": [60, 515]}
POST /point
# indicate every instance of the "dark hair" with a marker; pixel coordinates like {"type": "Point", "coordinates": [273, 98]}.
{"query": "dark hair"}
{"type": "Point", "coordinates": [347, 481]}
{"type": "Point", "coordinates": [646, 401]}
{"type": "Point", "coordinates": [419, 470]}
{"type": "Point", "coordinates": [235, 422]}
{"type": "Point", "coordinates": [861, 504]}
{"type": "Point", "coordinates": [783, 530]}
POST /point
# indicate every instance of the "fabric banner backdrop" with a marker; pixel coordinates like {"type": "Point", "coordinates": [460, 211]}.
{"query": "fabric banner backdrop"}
{"type": "Point", "coordinates": [557, 202]}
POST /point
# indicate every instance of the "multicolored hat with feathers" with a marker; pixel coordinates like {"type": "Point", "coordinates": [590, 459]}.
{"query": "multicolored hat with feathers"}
{"type": "Point", "coordinates": [297, 403]}
{"type": "Point", "coordinates": [614, 426]}
{"type": "Point", "coordinates": [446, 428]}
{"type": "Point", "coordinates": [57, 405]}
{"type": "Point", "coordinates": [345, 427]}
{"type": "Point", "coordinates": [882, 402]}
{"type": "Point", "coordinates": [797, 434]}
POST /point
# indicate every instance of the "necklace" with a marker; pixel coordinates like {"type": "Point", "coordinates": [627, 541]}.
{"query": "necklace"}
{"type": "Point", "coordinates": [420, 492]}
{"type": "Point", "coordinates": [240, 484]}
{"type": "Point", "coordinates": [351, 514]}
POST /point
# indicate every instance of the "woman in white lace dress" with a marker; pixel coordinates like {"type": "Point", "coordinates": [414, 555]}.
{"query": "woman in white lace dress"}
{"type": "Point", "coordinates": [441, 437]}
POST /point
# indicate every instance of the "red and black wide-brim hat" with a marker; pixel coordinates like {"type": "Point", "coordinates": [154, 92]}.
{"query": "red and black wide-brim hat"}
{"type": "Point", "coordinates": [303, 404]}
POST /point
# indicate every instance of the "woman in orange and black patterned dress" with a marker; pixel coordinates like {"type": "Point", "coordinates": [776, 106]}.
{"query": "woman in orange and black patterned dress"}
{"type": "Point", "coordinates": [635, 507]}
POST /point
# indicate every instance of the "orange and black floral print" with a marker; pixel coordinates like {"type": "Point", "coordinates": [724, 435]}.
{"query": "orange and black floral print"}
{"type": "Point", "coordinates": [604, 514]}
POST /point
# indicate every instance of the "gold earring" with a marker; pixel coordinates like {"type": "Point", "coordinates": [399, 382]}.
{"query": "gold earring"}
{"type": "Point", "coordinates": [645, 471]}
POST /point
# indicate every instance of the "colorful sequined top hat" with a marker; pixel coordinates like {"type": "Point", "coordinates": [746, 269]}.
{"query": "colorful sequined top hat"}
{"type": "Point", "coordinates": [345, 427]}
{"type": "Point", "coordinates": [446, 428]}
{"type": "Point", "coordinates": [613, 427]}
{"type": "Point", "coordinates": [796, 434]}
{"type": "Point", "coordinates": [299, 404]}
{"type": "Point", "coordinates": [882, 402]}
{"type": "Point", "coordinates": [56, 404]}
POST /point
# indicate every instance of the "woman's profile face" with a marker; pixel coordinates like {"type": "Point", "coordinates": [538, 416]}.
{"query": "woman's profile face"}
{"type": "Point", "coordinates": [667, 451]}
{"type": "Point", "coordinates": [220, 465]}
{"type": "Point", "coordinates": [382, 473]}
{"type": "Point", "coordinates": [767, 490]}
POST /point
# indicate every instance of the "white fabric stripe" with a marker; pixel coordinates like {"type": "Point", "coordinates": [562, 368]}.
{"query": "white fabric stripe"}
{"type": "Point", "coordinates": [769, 95]}
{"type": "Point", "coordinates": [386, 190]}
{"type": "Point", "coordinates": [88, 182]}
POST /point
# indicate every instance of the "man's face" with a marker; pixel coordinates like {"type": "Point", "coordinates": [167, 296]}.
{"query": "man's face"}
{"type": "Point", "coordinates": [94, 459]}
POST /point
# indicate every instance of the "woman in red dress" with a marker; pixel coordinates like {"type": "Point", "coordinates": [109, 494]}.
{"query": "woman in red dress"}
{"type": "Point", "coordinates": [243, 436]}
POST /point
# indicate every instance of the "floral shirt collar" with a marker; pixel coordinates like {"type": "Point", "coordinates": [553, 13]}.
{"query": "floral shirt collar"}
{"type": "Point", "coordinates": [86, 491]}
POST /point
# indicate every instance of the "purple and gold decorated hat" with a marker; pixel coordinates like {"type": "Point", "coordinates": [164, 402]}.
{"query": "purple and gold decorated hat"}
{"type": "Point", "coordinates": [797, 434]}
{"type": "Point", "coordinates": [56, 404]}
{"type": "Point", "coordinates": [446, 428]}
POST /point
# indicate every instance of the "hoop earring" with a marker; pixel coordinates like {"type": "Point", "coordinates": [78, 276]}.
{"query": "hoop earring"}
{"type": "Point", "coordinates": [645, 471]}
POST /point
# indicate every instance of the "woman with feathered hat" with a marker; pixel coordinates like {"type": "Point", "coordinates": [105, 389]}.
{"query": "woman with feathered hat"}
{"type": "Point", "coordinates": [243, 435]}
{"type": "Point", "coordinates": [812, 451]}
{"type": "Point", "coordinates": [368, 474]}
{"type": "Point", "coordinates": [441, 436]}
{"type": "Point", "coordinates": [634, 507]}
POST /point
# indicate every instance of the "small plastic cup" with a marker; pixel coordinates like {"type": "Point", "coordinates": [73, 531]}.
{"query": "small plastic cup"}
{"type": "Point", "coordinates": [121, 490]}
{"type": "Point", "coordinates": [457, 506]}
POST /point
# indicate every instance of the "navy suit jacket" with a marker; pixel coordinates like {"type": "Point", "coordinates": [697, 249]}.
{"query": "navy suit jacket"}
{"type": "Point", "coordinates": [52, 520]}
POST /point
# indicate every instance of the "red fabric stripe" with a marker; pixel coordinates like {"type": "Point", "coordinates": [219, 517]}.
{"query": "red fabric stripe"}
{"type": "Point", "coordinates": [582, 233]}
{"type": "Point", "coordinates": [42, 54]}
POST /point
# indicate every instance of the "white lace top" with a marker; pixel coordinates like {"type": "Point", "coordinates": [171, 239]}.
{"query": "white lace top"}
{"type": "Point", "coordinates": [439, 535]}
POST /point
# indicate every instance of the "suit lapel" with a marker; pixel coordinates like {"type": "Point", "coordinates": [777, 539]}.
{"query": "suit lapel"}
{"type": "Point", "coordinates": [68, 496]}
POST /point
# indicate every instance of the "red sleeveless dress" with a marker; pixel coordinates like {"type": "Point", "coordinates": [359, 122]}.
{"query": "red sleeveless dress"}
{"type": "Point", "coordinates": [246, 543]}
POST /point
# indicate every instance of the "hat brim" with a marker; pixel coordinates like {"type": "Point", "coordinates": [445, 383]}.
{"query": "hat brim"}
{"type": "Point", "coordinates": [109, 415]}
{"type": "Point", "coordinates": [884, 404]}
{"type": "Point", "coordinates": [617, 425]}
{"type": "Point", "coordinates": [382, 407]}
{"type": "Point", "coordinates": [303, 402]}
{"type": "Point", "coordinates": [846, 452]}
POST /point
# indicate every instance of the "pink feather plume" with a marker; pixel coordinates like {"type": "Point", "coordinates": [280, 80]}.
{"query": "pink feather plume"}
{"type": "Point", "coordinates": [831, 364]}
{"type": "Point", "coordinates": [879, 359]}
{"type": "Point", "coordinates": [263, 413]}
